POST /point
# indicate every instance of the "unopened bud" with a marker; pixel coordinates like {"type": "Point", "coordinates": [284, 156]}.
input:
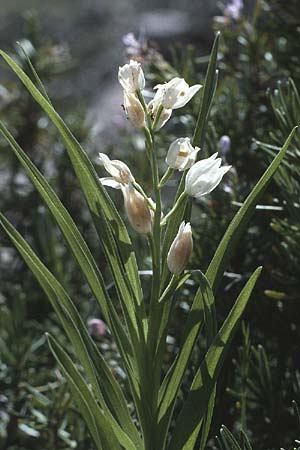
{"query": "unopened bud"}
{"type": "Point", "coordinates": [134, 110]}
{"type": "Point", "coordinates": [131, 77]}
{"type": "Point", "coordinates": [181, 154]}
{"type": "Point", "coordinates": [181, 249]}
{"type": "Point", "coordinates": [137, 210]}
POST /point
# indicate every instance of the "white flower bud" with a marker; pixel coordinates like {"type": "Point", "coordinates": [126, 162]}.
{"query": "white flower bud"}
{"type": "Point", "coordinates": [134, 110]}
{"type": "Point", "coordinates": [131, 77]}
{"type": "Point", "coordinates": [175, 94]}
{"type": "Point", "coordinates": [204, 176]}
{"type": "Point", "coordinates": [137, 209]}
{"type": "Point", "coordinates": [181, 249]}
{"type": "Point", "coordinates": [181, 154]}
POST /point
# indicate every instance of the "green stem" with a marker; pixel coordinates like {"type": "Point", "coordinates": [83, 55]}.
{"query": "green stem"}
{"type": "Point", "coordinates": [150, 383]}
{"type": "Point", "coordinates": [170, 289]}
{"type": "Point", "coordinates": [169, 172]}
{"type": "Point", "coordinates": [157, 116]}
{"type": "Point", "coordinates": [179, 201]}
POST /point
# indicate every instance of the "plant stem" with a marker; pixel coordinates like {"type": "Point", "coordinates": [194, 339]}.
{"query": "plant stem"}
{"type": "Point", "coordinates": [169, 172]}
{"type": "Point", "coordinates": [150, 383]}
{"type": "Point", "coordinates": [180, 199]}
{"type": "Point", "coordinates": [157, 116]}
{"type": "Point", "coordinates": [170, 289]}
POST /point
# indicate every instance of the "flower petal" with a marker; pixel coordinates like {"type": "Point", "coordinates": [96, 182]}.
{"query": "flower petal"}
{"type": "Point", "coordinates": [184, 99]}
{"type": "Point", "coordinates": [111, 182]}
{"type": "Point", "coordinates": [108, 165]}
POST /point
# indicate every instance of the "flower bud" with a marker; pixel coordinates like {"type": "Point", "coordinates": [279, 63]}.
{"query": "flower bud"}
{"type": "Point", "coordinates": [204, 176]}
{"type": "Point", "coordinates": [137, 209]}
{"type": "Point", "coordinates": [181, 154]}
{"type": "Point", "coordinates": [181, 249]}
{"type": "Point", "coordinates": [134, 110]}
{"type": "Point", "coordinates": [131, 77]}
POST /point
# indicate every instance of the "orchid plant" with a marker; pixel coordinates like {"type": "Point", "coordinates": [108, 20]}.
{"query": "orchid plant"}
{"type": "Point", "coordinates": [140, 333]}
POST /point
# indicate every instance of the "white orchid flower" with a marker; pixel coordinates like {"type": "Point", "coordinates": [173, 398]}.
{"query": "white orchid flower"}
{"type": "Point", "coordinates": [131, 77]}
{"type": "Point", "coordinates": [134, 110]}
{"type": "Point", "coordinates": [204, 176]}
{"type": "Point", "coordinates": [120, 172]}
{"type": "Point", "coordinates": [175, 94]}
{"type": "Point", "coordinates": [181, 249]}
{"type": "Point", "coordinates": [181, 154]}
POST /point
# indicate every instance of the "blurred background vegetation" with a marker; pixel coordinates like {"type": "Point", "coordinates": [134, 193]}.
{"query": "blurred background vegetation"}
{"type": "Point", "coordinates": [76, 49]}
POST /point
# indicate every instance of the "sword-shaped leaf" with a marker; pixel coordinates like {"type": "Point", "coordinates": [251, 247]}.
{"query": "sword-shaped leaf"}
{"type": "Point", "coordinates": [108, 223]}
{"type": "Point", "coordinates": [191, 416]}
{"type": "Point", "coordinates": [111, 437]}
{"type": "Point", "coordinates": [105, 386]}
{"type": "Point", "coordinates": [241, 219]}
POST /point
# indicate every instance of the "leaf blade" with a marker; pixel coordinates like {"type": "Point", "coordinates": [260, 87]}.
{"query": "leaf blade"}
{"type": "Point", "coordinates": [76, 331]}
{"type": "Point", "coordinates": [194, 408]}
{"type": "Point", "coordinates": [241, 219]}
{"type": "Point", "coordinates": [107, 436]}
{"type": "Point", "coordinates": [107, 220]}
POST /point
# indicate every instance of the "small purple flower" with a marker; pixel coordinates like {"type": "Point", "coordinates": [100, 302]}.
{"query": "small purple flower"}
{"type": "Point", "coordinates": [233, 9]}
{"type": "Point", "coordinates": [129, 40]}
{"type": "Point", "coordinates": [134, 46]}
{"type": "Point", "coordinates": [97, 328]}
{"type": "Point", "coordinates": [224, 144]}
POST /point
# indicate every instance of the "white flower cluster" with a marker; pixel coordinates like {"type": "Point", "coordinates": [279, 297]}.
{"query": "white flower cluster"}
{"type": "Point", "coordinates": [201, 178]}
{"type": "Point", "coordinates": [172, 95]}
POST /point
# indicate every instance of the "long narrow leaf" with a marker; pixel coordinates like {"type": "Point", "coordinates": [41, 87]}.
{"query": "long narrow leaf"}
{"type": "Point", "coordinates": [85, 348]}
{"type": "Point", "coordinates": [67, 226]}
{"type": "Point", "coordinates": [208, 94]}
{"type": "Point", "coordinates": [241, 219]}
{"type": "Point", "coordinates": [202, 310]}
{"type": "Point", "coordinates": [77, 245]}
{"type": "Point", "coordinates": [172, 381]}
{"type": "Point", "coordinates": [210, 319]}
{"type": "Point", "coordinates": [193, 411]}
{"type": "Point", "coordinates": [107, 221]}
{"type": "Point", "coordinates": [107, 436]}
